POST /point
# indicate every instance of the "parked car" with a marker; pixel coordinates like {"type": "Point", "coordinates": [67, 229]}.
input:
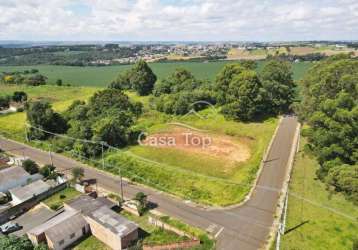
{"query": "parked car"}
{"type": "Point", "coordinates": [9, 227]}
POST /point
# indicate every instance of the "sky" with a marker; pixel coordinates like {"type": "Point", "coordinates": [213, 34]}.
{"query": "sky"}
{"type": "Point", "coordinates": [178, 20]}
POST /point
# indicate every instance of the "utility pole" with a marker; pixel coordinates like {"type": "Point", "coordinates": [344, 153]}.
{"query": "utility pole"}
{"type": "Point", "coordinates": [281, 227]}
{"type": "Point", "coordinates": [102, 155]}
{"type": "Point", "coordinates": [51, 160]}
{"type": "Point", "coordinates": [26, 134]}
{"type": "Point", "coordinates": [120, 172]}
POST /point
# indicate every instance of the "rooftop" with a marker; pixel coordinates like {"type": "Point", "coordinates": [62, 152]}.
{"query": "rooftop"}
{"type": "Point", "coordinates": [61, 224]}
{"type": "Point", "coordinates": [30, 190]}
{"type": "Point", "coordinates": [113, 221]}
{"type": "Point", "coordinates": [12, 174]}
{"type": "Point", "coordinates": [100, 210]}
{"type": "Point", "coordinates": [86, 204]}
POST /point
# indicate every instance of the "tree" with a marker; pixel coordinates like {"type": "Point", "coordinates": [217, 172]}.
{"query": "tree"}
{"type": "Point", "coordinates": [329, 106]}
{"type": "Point", "coordinates": [19, 96]}
{"type": "Point", "coordinates": [36, 80]}
{"type": "Point", "coordinates": [223, 80]}
{"type": "Point", "coordinates": [4, 102]}
{"type": "Point", "coordinates": [141, 198]}
{"type": "Point", "coordinates": [142, 78]}
{"type": "Point", "coordinates": [122, 82]}
{"type": "Point", "coordinates": [325, 80]}
{"type": "Point", "coordinates": [77, 173]}
{"type": "Point", "coordinates": [109, 101]}
{"type": "Point", "coordinates": [344, 178]}
{"type": "Point", "coordinates": [41, 117]}
{"type": "Point", "coordinates": [246, 99]}
{"type": "Point", "coordinates": [15, 243]}
{"type": "Point", "coordinates": [107, 117]}
{"type": "Point", "coordinates": [276, 77]}
{"type": "Point", "coordinates": [59, 82]}
{"type": "Point", "coordinates": [48, 171]}
{"type": "Point", "coordinates": [30, 166]}
{"type": "Point", "coordinates": [113, 129]}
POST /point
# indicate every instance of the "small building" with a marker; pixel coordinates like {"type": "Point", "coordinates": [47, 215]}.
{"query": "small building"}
{"type": "Point", "coordinates": [111, 228]}
{"type": "Point", "coordinates": [97, 218]}
{"type": "Point", "coordinates": [24, 193]}
{"type": "Point", "coordinates": [60, 231]}
{"type": "Point", "coordinates": [14, 177]}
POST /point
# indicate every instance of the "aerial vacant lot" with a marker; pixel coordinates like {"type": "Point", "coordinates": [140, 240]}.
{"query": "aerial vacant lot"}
{"type": "Point", "coordinates": [219, 173]}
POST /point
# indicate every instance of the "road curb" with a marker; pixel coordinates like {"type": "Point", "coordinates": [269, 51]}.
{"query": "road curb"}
{"type": "Point", "coordinates": [284, 190]}
{"type": "Point", "coordinates": [258, 174]}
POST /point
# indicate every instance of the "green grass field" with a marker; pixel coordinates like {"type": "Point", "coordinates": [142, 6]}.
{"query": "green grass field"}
{"type": "Point", "coordinates": [60, 97]}
{"type": "Point", "coordinates": [204, 178]}
{"type": "Point", "coordinates": [323, 229]}
{"type": "Point", "coordinates": [102, 76]}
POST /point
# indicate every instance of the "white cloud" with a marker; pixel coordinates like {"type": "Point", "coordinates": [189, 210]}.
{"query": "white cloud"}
{"type": "Point", "coordinates": [178, 20]}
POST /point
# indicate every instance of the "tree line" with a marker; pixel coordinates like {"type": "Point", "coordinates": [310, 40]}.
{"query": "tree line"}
{"type": "Point", "coordinates": [329, 107]}
{"type": "Point", "coordinates": [28, 77]}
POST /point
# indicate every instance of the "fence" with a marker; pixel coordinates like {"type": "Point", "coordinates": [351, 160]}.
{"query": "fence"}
{"type": "Point", "coordinates": [27, 205]}
{"type": "Point", "coordinates": [178, 245]}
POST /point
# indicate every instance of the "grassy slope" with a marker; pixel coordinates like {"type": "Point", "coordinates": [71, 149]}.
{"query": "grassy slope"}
{"type": "Point", "coordinates": [324, 230]}
{"type": "Point", "coordinates": [102, 76]}
{"type": "Point", "coordinates": [60, 97]}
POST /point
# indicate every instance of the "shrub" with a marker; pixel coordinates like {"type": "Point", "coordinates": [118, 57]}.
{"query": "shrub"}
{"type": "Point", "coordinates": [30, 166]}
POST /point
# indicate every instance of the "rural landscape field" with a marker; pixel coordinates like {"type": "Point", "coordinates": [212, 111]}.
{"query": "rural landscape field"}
{"type": "Point", "coordinates": [167, 125]}
{"type": "Point", "coordinates": [102, 76]}
{"type": "Point", "coordinates": [238, 143]}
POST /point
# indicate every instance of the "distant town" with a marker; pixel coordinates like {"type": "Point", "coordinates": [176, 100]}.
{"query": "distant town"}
{"type": "Point", "coordinates": [103, 54]}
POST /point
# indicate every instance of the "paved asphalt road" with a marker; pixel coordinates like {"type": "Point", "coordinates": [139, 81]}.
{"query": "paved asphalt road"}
{"type": "Point", "coordinates": [242, 228]}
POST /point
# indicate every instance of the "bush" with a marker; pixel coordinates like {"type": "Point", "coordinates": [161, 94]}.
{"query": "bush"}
{"type": "Point", "coordinates": [55, 206]}
{"type": "Point", "coordinates": [30, 166]}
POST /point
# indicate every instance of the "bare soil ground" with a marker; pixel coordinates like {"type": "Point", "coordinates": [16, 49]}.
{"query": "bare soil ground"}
{"type": "Point", "coordinates": [221, 146]}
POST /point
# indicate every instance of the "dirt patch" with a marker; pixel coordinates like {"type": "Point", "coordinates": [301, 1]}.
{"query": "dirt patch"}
{"type": "Point", "coordinates": [47, 99]}
{"type": "Point", "coordinates": [302, 50]}
{"type": "Point", "coordinates": [191, 141]}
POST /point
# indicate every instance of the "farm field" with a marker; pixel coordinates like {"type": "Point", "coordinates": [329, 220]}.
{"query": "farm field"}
{"type": "Point", "coordinates": [102, 76]}
{"type": "Point", "coordinates": [312, 225]}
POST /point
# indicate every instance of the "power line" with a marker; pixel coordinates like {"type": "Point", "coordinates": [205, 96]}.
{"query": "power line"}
{"type": "Point", "coordinates": [272, 189]}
